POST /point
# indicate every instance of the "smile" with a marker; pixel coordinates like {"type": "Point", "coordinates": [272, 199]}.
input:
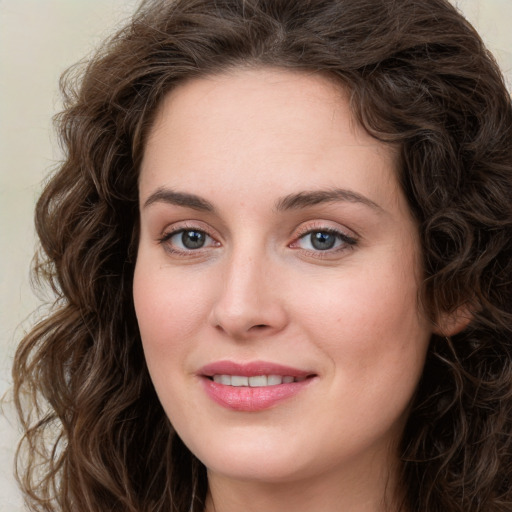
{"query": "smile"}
{"type": "Point", "coordinates": [253, 386]}
{"type": "Point", "coordinates": [256, 381]}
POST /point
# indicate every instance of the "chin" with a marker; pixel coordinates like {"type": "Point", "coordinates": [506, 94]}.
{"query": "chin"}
{"type": "Point", "coordinates": [264, 469]}
{"type": "Point", "coordinates": [256, 459]}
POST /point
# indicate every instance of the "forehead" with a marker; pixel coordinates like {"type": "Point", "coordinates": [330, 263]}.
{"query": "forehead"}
{"type": "Point", "coordinates": [289, 129]}
{"type": "Point", "coordinates": [285, 100]}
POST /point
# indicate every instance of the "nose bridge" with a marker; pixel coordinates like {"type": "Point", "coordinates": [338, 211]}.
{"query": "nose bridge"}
{"type": "Point", "coordinates": [247, 301]}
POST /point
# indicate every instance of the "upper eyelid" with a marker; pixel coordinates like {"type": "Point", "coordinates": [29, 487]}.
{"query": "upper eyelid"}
{"type": "Point", "coordinates": [324, 225]}
{"type": "Point", "coordinates": [328, 229]}
{"type": "Point", "coordinates": [168, 235]}
{"type": "Point", "coordinates": [348, 239]}
{"type": "Point", "coordinates": [197, 225]}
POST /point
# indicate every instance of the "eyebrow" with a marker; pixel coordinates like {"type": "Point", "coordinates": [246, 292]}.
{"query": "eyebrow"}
{"type": "Point", "coordinates": [315, 197]}
{"type": "Point", "coordinates": [294, 201]}
{"type": "Point", "coordinates": [169, 196]}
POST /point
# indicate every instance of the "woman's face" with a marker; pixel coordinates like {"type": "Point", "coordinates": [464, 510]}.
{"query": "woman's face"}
{"type": "Point", "coordinates": [276, 284]}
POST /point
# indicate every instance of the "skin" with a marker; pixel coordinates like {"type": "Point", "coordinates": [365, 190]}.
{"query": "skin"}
{"type": "Point", "coordinates": [259, 290]}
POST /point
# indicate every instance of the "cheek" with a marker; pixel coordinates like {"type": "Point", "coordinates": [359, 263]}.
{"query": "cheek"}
{"type": "Point", "coordinates": [168, 311]}
{"type": "Point", "coordinates": [368, 322]}
{"type": "Point", "coordinates": [169, 317]}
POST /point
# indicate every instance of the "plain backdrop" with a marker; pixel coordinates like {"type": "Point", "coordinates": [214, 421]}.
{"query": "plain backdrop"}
{"type": "Point", "coordinates": [39, 39]}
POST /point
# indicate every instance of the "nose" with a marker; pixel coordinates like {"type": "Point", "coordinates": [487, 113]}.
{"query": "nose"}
{"type": "Point", "coordinates": [249, 303]}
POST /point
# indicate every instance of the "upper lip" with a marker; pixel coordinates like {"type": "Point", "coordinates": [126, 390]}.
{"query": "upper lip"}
{"type": "Point", "coordinates": [251, 369]}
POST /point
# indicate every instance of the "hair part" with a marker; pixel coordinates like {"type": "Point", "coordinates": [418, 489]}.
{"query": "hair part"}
{"type": "Point", "coordinates": [419, 77]}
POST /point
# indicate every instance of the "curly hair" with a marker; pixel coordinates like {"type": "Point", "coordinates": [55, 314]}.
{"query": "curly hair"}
{"type": "Point", "coordinates": [419, 77]}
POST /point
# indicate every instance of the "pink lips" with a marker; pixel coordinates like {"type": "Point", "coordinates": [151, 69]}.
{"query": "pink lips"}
{"type": "Point", "coordinates": [252, 399]}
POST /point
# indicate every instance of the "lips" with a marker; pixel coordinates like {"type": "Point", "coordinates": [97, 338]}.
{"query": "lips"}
{"type": "Point", "coordinates": [254, 386]}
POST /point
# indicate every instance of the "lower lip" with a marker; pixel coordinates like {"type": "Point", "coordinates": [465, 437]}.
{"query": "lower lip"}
{"type": "Point", "coordinates": [248, 399]}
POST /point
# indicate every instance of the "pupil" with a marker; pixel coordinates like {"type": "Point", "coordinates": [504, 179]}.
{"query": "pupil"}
{"type": "Point", "coordinates": [193, 239]}
{"type": "Point", "coordinates": [322, 240]}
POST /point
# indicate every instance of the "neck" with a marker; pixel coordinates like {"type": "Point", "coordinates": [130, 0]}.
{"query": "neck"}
{"type": "Point", "coordinates": [373, 490]}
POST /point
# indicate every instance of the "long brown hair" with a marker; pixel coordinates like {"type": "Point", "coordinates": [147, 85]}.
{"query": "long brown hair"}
{"type": "Point", "coordinates": [96, 437]}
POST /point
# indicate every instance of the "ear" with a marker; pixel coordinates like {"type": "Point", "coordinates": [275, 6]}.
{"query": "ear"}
{"type": "Point", "coordinates": [451, 323]}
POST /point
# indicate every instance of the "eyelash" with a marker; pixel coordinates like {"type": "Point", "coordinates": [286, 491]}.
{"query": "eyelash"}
{"type": "Point", "coordinates": [166, 238]}
{"type": "Point", "coordinates": [345, 241]}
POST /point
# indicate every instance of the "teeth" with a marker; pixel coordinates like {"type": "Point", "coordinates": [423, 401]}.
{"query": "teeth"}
{"type": "Point", "coordinates": [274, 380]}
{"type": "Point", "coordinates": [225, 379]}
{"type": "Point", "coordinates": [256, 381]}
{"type": "Point", "coordinates": [237, 381]}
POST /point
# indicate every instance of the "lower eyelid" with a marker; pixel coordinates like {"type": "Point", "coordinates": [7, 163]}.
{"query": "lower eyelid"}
{"type": "Point", "coordinates": [181, 227]}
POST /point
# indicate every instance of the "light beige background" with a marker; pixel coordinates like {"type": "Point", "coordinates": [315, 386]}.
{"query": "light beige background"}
{"type": "Point", "coordinates": [39, 39]}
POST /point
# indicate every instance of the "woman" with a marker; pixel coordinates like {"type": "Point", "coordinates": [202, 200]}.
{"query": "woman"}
{"type": "Point", "coordinates": [281, 246]}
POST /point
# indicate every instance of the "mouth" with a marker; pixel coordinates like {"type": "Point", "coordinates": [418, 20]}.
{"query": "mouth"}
{"type": "Point", "coordinates": [256, 381]}
{"type": "Point", "coordinates": [254, 386]}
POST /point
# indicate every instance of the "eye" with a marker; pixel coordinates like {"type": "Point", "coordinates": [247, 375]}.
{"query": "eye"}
{"type": "Point", "coordinates": [186, 240]}
{"type": "Point", "coordinates": [190, 239]}
{"type": "Point", "coordinates": [324, 240]}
